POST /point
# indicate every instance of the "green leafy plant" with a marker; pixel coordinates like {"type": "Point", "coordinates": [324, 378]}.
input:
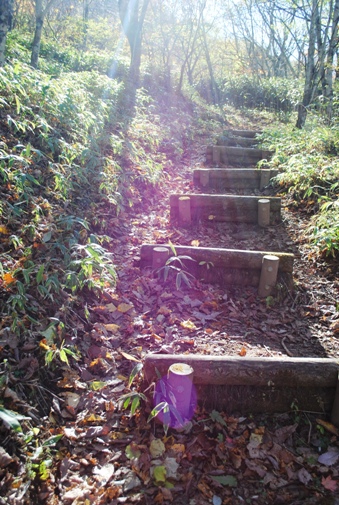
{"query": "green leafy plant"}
{"type": "Point", "coordinates": [12, 419]}
{"type": "Point", "coordinates": [133, 399]}
{"type": "Point", "coordinates": [176, 268]}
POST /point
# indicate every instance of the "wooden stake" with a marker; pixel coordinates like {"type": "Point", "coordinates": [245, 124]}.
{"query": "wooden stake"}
{"type": "Point", "coordinates": [335, 408]}
{"type": "Point", "coordinates": [184, 203]}
{"type": "Point", "coordinates": [180, 380]}
{"type": "Point", "coordinates": [264, 212]}
{"type": "Point", "coordinates": [265, 178]}
{"type": "Point", "coordinates": [159, 257]}
{"type": "Point", "coordinates": [268, 276]}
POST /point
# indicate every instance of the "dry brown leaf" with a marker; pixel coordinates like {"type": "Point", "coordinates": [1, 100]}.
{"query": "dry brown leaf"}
{"type": "Point", "coordinates": [112, 327]}
{"type": "Point", "coordinates": [124, 307]}
{"type": "Point", "coordinates": [129, 356]}
{"type": "Point", "coordinates": [111, 307]}
{"type": "Point", "coordinates": [328, 426]}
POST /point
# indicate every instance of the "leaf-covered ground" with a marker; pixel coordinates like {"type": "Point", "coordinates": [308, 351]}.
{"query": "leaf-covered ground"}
{"type": "Point", "coordinates": [88, 450]}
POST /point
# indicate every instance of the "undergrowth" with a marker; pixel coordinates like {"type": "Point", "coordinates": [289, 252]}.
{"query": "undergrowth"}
{"type": "Point", "coordinates": [309, 173]}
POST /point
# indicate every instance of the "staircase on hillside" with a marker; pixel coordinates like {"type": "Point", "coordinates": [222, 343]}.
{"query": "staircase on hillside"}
{"type": "Point", "coordinates": [234, 383]}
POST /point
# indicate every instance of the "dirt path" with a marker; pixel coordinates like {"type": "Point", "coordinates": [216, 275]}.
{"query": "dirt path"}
{"type": "Point", "coordinates": [303, 322]}
{"type": "Point", "coordinates": [219, 459]}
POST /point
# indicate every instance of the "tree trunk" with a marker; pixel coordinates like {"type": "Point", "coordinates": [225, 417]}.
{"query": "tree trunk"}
{"type": "Point", "coordinates": [39, 22]}
{"type": "Point", "coordinates": [329, 69]}
{"type": "Point", "coordinates": [6, 14]}
{"type": "Point", "coordinates": [132, 17]}
{"type": "Point", "coordinates": [214, 86]}
{"type": "Point", "coordinates": [310, 73]}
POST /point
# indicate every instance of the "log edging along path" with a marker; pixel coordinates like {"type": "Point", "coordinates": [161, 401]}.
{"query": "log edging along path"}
{"type": "Point", "coordinates": [257, 384]}
{"type": "Point", "coordinates": [236, 383]}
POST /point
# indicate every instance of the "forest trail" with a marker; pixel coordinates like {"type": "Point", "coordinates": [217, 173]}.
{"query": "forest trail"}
{"type": "Point", "coordinates": [218, 458]}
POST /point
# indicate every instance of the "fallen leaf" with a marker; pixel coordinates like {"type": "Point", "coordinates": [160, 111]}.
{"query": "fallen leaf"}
{"type": "Point", "coordinates": [225, 480]}
{"type": "Point", "coordinates": [125, 307]}
{"type": "Point", "coordinates": [330, 457]}
{"type": "Point", "coordinates": [178, 448]}
{"type": "Point", "coordinates": [8, 279]}
{"type": "Point", "coordinates": [171, 466]}
{"type": "Point", "coordinates": [304, 476]}
{"type": "Point", "coordinates": [129, 356]}
{"type": "Point", "coordinates": [157, 448]}
{"type": "Point", "coordinates": [4, 230]}
{"type": "Point", "coordinates": [132, 451]}
{"type": "Point", "coordinates": [112, 327]}
{"type": "Point", "coordinates": [46, 237]}
{"type": "Point", "coordinates": [329, 483]}
{"type": "Point", "coordinates": [242, 351]}
{"type": "Point", "coordinates": [159, 474]}
{"type": "Point", "coordinates": [188, 325]}
{"type": "Point", "coordinates": [72, 399]}
{"type": "Point", "coordinates": [97, 385]}
{"type": "Point", "coordinates": [195, 243]}
{"type": "Point", "coordinates": [328, 426]}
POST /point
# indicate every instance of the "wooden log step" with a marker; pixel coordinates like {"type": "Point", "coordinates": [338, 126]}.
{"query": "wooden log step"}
{"type": "Point", "coordinates": [236, 141]}
{"type": "Point", "coordinates": [230, 267]}
{"type": "Point", "coordinates": [232, 178]}
{"type": "Point", "coordinates": [236, 156]}
{"type": "Point", "coordinates": [252, 385]}
{"type": "Point", "coordinates": [242, 133]}
{"type": "Point", "coordinates": [225, 208]}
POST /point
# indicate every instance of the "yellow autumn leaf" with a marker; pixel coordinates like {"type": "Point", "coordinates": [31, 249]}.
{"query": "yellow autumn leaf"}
{"type": "Point", "coordinates": [178, 448]}
{"type": "Point", "coordinates": [8, 279]}
{"type": "Point", "coordinates": [124, 307]}
{"type": "Point", "coordinates": [195, 243]}
{"type": "Point", "coordinates": [4, 230]}
{"type": "Point", "coordinates": [188, 325]}
{"type": "Point", "coordinates": [92, 418]}
{"type": "Point", "coordinates": [112, 327]}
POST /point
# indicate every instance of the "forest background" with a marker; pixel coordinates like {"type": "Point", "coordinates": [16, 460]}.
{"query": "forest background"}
{"type": "Point", "coordinates": [99, 100]}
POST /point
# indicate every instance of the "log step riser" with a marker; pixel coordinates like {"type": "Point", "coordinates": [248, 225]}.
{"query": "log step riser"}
{"type": "Point", "coordinates": [225, 208]}
{"type": "Point", "coordinates": [226, 267]}
{"type": "Point", "coordinates": [232, 178]}
{"type": "Point", "coordinates": [252, 385]}
{"type": "Point", "coordinates": [235, 156]}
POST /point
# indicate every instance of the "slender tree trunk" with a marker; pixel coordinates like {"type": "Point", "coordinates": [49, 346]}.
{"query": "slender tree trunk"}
{"type": "Point", "coordinates": [310, 73]}
{"type": "Point", "coordinates": [39, 22]}
{"type": "Point", "coordinates": [6, 14]}
{"type": "Point", "coordinates": [132, 17]}
{"type": "Point", "coordinates": [329, 67]}
{"type": "Point", "coordinates": [214, 86]}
